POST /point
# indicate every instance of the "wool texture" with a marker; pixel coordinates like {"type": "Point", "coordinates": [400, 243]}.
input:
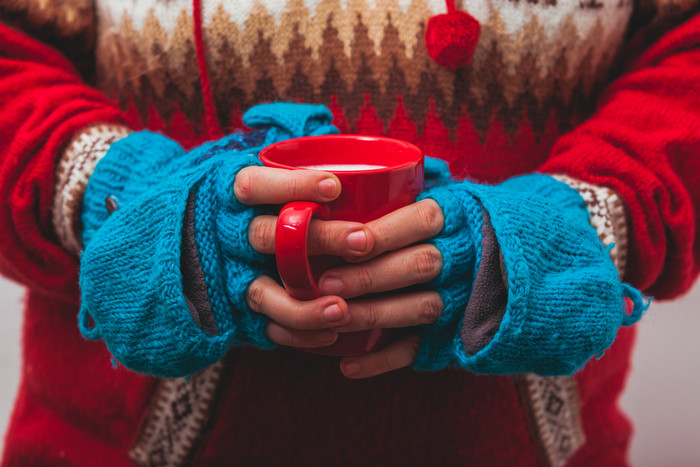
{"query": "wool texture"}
{"type": "Point", "coordinates": [565, 300]}
{"type": "Point", "coordinates": [536, 74]}
{"type": "Point", "coordinates": [451, 38]}
{"type": "Point", "coordinates": [435, 172]}
{"type": "Point", "coordinates": [77, 164]}
{"type": "Point", "coordinates": [131, 281]}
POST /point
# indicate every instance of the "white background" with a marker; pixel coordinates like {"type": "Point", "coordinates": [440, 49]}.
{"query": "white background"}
{"type": "Point", "coordinates": [662, 397]}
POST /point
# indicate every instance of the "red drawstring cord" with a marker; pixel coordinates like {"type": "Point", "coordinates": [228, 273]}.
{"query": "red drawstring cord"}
{"type": "Point", "coordinates": [212, 125]}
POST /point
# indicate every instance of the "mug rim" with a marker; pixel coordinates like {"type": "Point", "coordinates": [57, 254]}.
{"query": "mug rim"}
{"type": "Point", "coordinates": [412, 147]}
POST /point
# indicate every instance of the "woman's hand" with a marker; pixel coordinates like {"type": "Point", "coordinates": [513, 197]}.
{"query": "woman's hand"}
{"type": "Point", "coordinates": [386, 254]}
{"type": "Point", "coordinates": [396, 261]}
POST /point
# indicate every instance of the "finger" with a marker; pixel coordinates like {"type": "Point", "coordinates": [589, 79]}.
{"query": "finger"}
{"type": "Point", "coordinates": [405, 226]}
{"type": "Point", "coordinates": [336, 238]}
{"type": "Point", "coordinates": [397, 355]}
{"type": "Point", "coordinates": [394, 311]}
{"type": "Point", "coordinates": [283, 335]}
{"type": "Point", "coordinates": [266, 296]}
{"type": "Point", "coordinates": [413, 265]}
{"type": "Point", "coordinates": [266, 185]}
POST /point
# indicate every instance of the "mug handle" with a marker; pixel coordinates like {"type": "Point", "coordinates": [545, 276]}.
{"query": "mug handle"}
{"type": "Point", "coordinates": [291, 252]}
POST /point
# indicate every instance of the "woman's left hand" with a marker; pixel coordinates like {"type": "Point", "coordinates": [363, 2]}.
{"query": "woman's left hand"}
{"type": "Point", "coordinates": [397, 260]}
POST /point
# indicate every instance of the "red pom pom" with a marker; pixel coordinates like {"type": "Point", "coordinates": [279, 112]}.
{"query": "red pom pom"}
{"type": "Point", "coordinates": [451, 38]}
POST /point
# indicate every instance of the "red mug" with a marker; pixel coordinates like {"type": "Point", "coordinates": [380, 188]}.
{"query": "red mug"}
{"type": "Point", "coordinates": [378, 175]}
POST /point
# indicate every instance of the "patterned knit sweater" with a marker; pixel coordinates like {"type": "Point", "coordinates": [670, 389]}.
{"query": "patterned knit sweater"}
{"type": "Point", "coordinates": [530, 100]}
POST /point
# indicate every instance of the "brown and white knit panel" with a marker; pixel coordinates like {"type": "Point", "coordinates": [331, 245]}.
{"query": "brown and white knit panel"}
{"type": "Point", "coordinates": [555, 411]}
{"type": "Point", "coordinates": [74, 168]}
{"type": "Point", "coordinates": [534, 58]}
{"type": "Point", "coordinates": [607, 215]}
{"type": "Point", "coordinates": [177, 416]}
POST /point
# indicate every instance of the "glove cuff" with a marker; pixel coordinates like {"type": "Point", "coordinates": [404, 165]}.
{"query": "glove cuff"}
{"type": "Point", "coordinates": [75, 166]}
{"type": "Point", "coordinates": [126, 171]}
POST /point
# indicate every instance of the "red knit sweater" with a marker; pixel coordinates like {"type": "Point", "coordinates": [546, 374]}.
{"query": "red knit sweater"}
{"type": "Point", "coordinates": [285, 407]}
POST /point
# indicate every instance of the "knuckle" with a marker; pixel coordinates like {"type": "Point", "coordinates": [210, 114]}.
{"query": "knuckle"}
{"type": "Point", "coordinates": [294, 185]}
{"type": "Point", "coordinates": [327, 239]}
{"type": "Point", "coordinates": [371, 317]}
{"type": "Point", "coordinates": [381, 232]}
{"type": "Point", "coordinates": [254, 295]}
{"type": "Point", "coordinates": [427, 263]}
{"type": "Point", "coordinates": [262, 234]}
{"type": "Point", "coordinates": [297, 320]}
{"type": "Point", "coordinates": [429, 311]}
{"type": "Point", "coordinates": [243, 184]}
{"type": "Point", "coordinates": [305, 315]}
{"type": "Point", "coordinates": [430, 217]}
{"type": "Point", "coordinates": [386, 362]}
{"type": "Point", "coordinates": [365, 280]}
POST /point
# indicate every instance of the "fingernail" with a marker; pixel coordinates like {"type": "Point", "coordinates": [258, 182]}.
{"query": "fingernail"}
{"type": "Point", "coordinates": [351, 368]}
{"type": "Point", "coordinates": [327, 187]}
{"type": "Point", "coordinates": [333, 313]}
{"type": "Point", "coordinates": [332, 286]}
{"type": "Point", "coordinates": [357, 240]}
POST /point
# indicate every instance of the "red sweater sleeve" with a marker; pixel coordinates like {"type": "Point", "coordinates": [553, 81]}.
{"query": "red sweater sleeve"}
{"type": "Point", "coordinates": [644, 142]}
{"type": "Point", "coordinates": [43, 103]}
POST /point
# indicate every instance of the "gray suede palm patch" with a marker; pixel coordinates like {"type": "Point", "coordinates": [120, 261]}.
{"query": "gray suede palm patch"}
{"type": "Point", "coordinates": [487, 304]}
{"type": "Point", "coordinates": [193, 283]}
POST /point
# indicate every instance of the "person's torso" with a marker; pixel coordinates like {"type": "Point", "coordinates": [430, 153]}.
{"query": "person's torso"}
{"type": "Point", "coordinates": [536, 72]}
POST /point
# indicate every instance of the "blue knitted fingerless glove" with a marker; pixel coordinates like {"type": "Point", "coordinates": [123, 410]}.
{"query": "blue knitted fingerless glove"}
{"type": "Point", "coordinates": [436, 173]}
{"type": "Point", "coordinates": [565, 301]}
{"type": "Point", "coordinates": [171, 203]}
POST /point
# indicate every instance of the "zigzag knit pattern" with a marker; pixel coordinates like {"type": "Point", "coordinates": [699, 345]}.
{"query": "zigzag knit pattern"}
{"type": "Point", "coordinates": [565, 301]}
{"type": "Point", "coordinates": [131, 282]}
